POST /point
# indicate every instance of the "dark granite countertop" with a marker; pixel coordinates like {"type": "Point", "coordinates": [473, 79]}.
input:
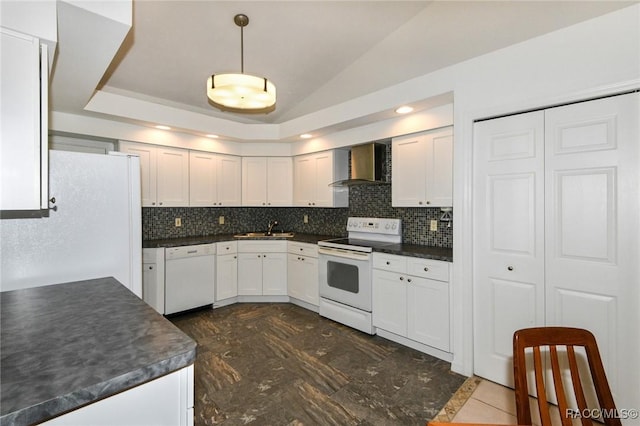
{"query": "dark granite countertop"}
{"type": "Point", "coordinates": [208, 239]}
{"type": "Point", "coordinates": [67, 345]}
{"type": "Point", "coordinates": [413, 250]}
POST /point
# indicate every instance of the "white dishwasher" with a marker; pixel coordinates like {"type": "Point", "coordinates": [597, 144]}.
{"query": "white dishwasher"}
{"type": "Point", "coordinates": [190, 273]}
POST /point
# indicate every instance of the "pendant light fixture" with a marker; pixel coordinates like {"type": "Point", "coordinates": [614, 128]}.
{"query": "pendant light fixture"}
{"type": "Point", "coordinates": [241, 92]}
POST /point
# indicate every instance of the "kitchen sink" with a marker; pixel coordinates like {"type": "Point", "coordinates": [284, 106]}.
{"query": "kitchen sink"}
{"type": "Point", "coordinates": [265, 235]}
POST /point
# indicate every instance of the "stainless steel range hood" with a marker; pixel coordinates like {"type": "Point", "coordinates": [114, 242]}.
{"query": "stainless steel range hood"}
{"type": "Point", "coordinates": [367, 165]}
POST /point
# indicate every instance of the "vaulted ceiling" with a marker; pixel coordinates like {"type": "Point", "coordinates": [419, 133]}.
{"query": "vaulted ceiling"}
{"type": "Point", "coordinates": [318, 53]}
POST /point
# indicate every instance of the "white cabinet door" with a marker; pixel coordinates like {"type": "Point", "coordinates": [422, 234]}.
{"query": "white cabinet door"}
{"type": "Point", "coordinates": [428, 312]}
{"type": "Point", "coordinates": [280, 181]}
{"type": "Point", "coordinates": [226, 276]}
{"type": "Point", "coordinates": [302, 278]}
{"type": "Point", "coordinates": [203, 179]}
{"type": "Point", "coordinates": [254, 181]}
{"type": "Point", "coordinates": [173, 177]}
{"type": "Point", "coordinates": [314, 173]}
{"type": "Point", "coordinates": [249, 274]}
{"type": "Point", "coordinates": [390, 301]}
{"type": "Point", "coordinates": [24, 129]}
{"type": "Point", "coordinates": [274, 274]}
{"type": "Point", "coordinates": [295, 276]}
{"type": "Point", "coordinates": [440, 179]}
{"type": "Point", "coordinates": [324, 177]}
{"type": "Point", "coordinates": [422, 171]}
{"type": "Point", "coordinates": [304, 180]}
{"type": "Point", "coordinates": [229, 181]}
{"type": "Point", "coordinates": [508, 238]}
{"type": "Point", "coordinates": [311, 291]}
{"type": "Point", "coordinates": [148, 169]}
{"type": "Point", "coordinates": [408, 171]}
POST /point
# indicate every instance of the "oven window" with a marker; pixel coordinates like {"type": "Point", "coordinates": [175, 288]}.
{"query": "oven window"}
{"type": "Point", "coordinates": [342, 276]}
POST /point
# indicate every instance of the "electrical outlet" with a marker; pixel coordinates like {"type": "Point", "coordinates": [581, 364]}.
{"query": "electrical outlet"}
{"type": "Point", "coordinates": [305, 219]}
{"type": "Point", "coordinates": [178, 221]}
{"type": "Point", "coordinates": [221, 220]}
{"type": "Point", "coordinates": [433, 225]}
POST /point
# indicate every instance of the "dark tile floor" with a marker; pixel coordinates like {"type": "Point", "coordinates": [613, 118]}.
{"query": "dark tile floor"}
{"type": "Point", "coordinates": [279, 364]}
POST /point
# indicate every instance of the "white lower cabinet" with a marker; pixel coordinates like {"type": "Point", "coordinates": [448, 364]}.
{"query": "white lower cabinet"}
{"type": "Point", "coordinates": [411, 300]}
{"type": "Point", "coordinates": [153, 278]}
{"type": "Point", "coordinates": [262, 268]}
{"type": "Point", "coordinates": [226, 270]}
{"type": "Point", "coordinates": [302, 271]}
{"type": "Point", "coordinates": [167, 400]}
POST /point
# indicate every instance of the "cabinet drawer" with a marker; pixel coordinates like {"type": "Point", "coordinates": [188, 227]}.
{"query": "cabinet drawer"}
{"type": "Point", "coordinates": [227, 247]}
{"type": "Point", "coordinates": [262, 246]}
{"type": "Point", "coordinates": [310, 250]}
{"type": "Point", "coordinates": [390, 262]}
{"type": "Point", "coordinates": [426, 268]}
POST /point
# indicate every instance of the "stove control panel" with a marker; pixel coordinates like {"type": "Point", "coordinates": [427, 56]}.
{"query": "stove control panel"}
{"type": "Point", "coordinates": [374, 225]}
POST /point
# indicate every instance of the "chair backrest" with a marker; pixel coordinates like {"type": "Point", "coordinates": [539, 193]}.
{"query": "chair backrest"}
{"type": "Point", "coordinates": [553, 338]}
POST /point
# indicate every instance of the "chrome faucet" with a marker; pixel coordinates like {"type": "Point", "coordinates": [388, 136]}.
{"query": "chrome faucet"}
{"type": "Point", "coordinates": [272, 224]}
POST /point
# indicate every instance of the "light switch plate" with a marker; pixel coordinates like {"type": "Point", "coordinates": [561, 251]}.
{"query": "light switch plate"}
{"type": "Point", "coordinates": [434, 225]}
{"type": "Point", "coordinates": [178, 221]}
{"type": "Point", "coordinates": [221, 220]}
{"type": "Point", "coordinates": [305, 219]}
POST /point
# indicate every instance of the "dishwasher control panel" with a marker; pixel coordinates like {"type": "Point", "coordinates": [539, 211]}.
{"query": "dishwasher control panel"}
{"type": "Point", "coordinates": [190, 251]}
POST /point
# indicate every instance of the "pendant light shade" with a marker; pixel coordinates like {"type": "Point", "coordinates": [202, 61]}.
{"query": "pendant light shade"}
{"type": "Point", "coordinates": [240, 92]}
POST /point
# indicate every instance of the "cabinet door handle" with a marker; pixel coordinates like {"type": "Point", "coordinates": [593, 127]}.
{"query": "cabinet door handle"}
{"type": "Point", "coordinates": [420, 202]}
{"type": "Point", "coordinates": [160, 203]}
{"type": "Point", "coordinates": [409, 280]}
{"type": "Point", "coordinates": [302, 259]}
{"type": "Point", "coordinates": [227, 248]}
{"type": "Point", "coordinates": [426, 269]}
{"type": "Point", "coordinates": [401, 278]}
{"type": "Point", "coordinates": [235, 257]}
{"type": "Point", "coordinates": [151, 268]}
{"type": "Point", "coordinates": [509, 268]}
{"type": "Point", "coordinates": [153, 204]}
{"type": "Point", "coordinates": [219, 204]}
{"type": "Point", "coordinates": [259, 256]}
{"type": "Point", "coordinates": [264, 255]}
{"type": "Point", "coordinates": [428, 202]}
{"type": "Point", "coordinates": [388, 263]}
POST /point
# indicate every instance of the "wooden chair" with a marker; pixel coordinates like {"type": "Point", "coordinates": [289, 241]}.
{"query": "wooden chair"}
{"type": "Point", "coordinates": [553, 337]}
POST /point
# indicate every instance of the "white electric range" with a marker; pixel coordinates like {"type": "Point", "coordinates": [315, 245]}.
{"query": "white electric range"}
{"type": "Point", "coordinates": [345, 269]}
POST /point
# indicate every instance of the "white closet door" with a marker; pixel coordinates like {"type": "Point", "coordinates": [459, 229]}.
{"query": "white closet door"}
{"type": "Point", "coordinates": [508, 238]}
{"type": "Point", "coordinates": [592, 233]}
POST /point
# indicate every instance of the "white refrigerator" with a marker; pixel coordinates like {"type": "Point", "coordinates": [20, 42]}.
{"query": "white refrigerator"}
{"type": "Point", "coordinates": [95, 229]}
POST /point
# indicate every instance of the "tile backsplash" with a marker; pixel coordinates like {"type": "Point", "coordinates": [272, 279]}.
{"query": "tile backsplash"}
{"type": "Point", "coordinates": [364, 201]}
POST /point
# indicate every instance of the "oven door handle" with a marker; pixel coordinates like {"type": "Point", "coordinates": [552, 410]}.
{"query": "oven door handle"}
{"type": "Point", "coordinates": [347, 254]}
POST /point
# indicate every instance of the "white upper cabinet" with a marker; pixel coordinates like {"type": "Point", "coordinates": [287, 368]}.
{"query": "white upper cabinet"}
{"type": "Point", "coordinates": [173, 177]}
{"type": "Point", "coordinates": [280, 181]}
{"type": "Point", "coordinates": [267, 181]}
{"type": "Point", "coordinates": [214, 180]}
{"type": "Point", "coordinates": [23, 113]}
{"type": "Point", "coordinates": [164, 174]}
{"type": "Point", "coordinates": [229, 180]}
{"type": "Point", "coordinates": [313, 173]}
{"type": "Point", "coordinates": [422, 170]}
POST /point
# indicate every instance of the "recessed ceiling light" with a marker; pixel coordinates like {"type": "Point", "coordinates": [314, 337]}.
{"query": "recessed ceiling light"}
{"type": "Point", "coordinates": [306, 136]}
{"type": "Point", "coordinates": [404, 109]}
{"type": "Point", "coordinates": [163, 127]}
{"type": "Point", "coordinates": [212, 136]}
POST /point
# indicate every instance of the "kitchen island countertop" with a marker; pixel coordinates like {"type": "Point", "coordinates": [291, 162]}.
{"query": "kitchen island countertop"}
{"type": "Point", "coordinates": [67, 345]}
